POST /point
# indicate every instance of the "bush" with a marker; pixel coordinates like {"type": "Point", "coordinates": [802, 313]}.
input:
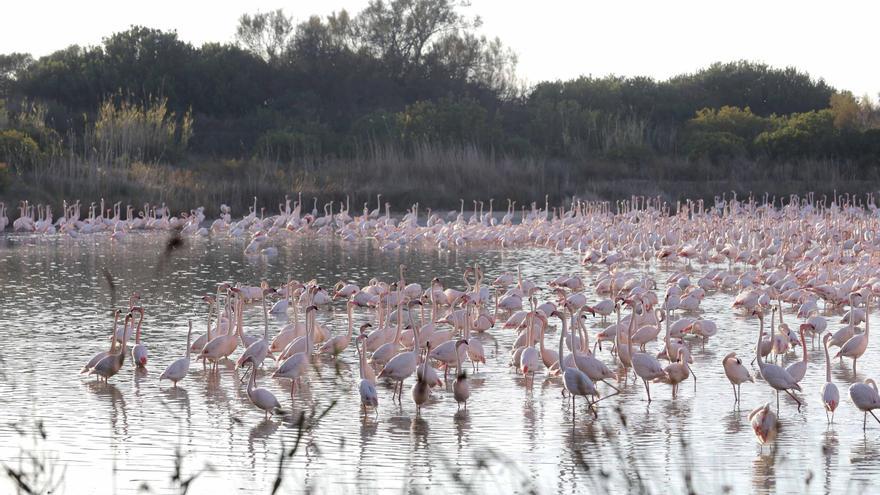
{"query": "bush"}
{"type": "Point", "coordinates": [19, 150]}
{"type": "Point", "coordinates": [801, 134]}
{"type": "Point", "coordinates": [713, 145]}
{"type": "Point", "coordinates": [5, 176]}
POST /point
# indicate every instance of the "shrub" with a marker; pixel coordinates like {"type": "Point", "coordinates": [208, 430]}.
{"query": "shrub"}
{"type": "Point", "coordinates": [19, 150]}
{"type": "Point", "coordinates": [713, 145]}
{"type": "Point", "coordinates": [5, 176]}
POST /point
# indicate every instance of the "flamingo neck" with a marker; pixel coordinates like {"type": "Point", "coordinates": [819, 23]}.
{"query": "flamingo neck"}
{"type": "Point", "coordinates": [265, 319]}
{"type": "Point", "coordinates": [827, 362]}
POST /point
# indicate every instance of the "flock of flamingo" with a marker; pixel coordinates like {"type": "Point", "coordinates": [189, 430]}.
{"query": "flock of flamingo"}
{"type": "Point", "coordinates": [808, 257]}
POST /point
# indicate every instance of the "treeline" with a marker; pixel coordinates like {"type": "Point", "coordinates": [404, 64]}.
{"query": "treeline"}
{"type": "Point", "coordinates": [399, 77]}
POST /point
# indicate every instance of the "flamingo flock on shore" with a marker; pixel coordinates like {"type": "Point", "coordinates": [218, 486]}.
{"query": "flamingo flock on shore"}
{"type": "Point", "coordinates": [804, 259]}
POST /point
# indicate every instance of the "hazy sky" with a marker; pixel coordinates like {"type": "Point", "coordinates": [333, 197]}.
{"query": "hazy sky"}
{"type": "Point", "coordinates": [553, 38]}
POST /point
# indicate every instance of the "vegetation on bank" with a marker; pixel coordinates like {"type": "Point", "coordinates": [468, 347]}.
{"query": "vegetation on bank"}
{"type": "Point", "coordinates": [408, 99]}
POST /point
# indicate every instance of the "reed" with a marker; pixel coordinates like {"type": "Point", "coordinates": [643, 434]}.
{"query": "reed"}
{"type": "Point", "coordinates": [124, 162]}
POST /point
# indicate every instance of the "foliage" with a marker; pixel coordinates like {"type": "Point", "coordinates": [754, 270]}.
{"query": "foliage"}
{"type": "Point", "coordinates": [264, 33]}
{"type": "Point", "coordinates": [11, 65]}
{"type": "Point", "coordinates": [450, 121]}
{"type": "Point", "coordinates": [5, 176]}
{"type": "Point", "coordinates": [19, 150]}
{"type": "Point", "coordinates": [845, 110]}
{"type": "Point", "coordinates": [405, 75]}
{"type": "Point", "coordinates": [799, 135]}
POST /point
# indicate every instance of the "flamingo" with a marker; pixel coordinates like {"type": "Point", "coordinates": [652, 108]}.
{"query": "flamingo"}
{"type": "Point", "coordinates": [736, 373]}
{"type": "Point", "coordinates": [112, 363]}
{"type": "Point", "coordinates": [775, 375]}
{"type": "Point", "coordinates": [177, 370]}
{"type": "Point", "coordinates": [866, 398]}
{"type": "Point", "coordinates": [296, 366]}
{"type": "Point", "coordinates": [389, 349]}
{"type": "Point", "coordinates": [575, 381]}
{"type": "Point", "coordinates": [460, 389]}
{"type": "Point", "coordinates": [646, 366]}
{"type": "Point", "coordinates": [798, 369]}
{"type": "Point", "coordinates": [475, 351]}
{"type": "Point", "coordinates": [224, 345]}
{"type": "Point", "coordinates": [678, 371]}
{"type": "Point", "coordinates": [256, 352]}
{"type": "Point", "coordinates": [529, 359]}
{"type": "Point", "coordinates": [139, 351]}
{"type": "Point", "coordinates": [339, 343]}
{"type": "Point", "coordinates": [421, 392]}
{"type": "Point", "coordinates": [845, 333]}
{"type": "Point", "coordinates": [101, 355]}
{"type": "Point", "coordinates": [261, 397]}
{"type": "Point", "coordinates": [830, 394]}
{"type": "Point", "coordinates": [764, 424]}
{"type": "Point", "coordinates": [856, 346]}
{"type": "Point", "coordinates": [366, 387]}
{"type": "Point", "coordinates": [288, 332]}
{"type": "Point", "coordinates": [401, 366]}
{"type": "Point", "coordinates": [304, 343]}
{"type": "Point", "coordinates": [201, 340]}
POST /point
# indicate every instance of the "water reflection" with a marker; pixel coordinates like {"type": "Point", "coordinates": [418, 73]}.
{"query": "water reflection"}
{"type": "Point", "coordinates": [212, 417]}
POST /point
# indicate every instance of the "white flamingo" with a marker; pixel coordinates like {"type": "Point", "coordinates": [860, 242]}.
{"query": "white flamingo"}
{"type": "Point", "coordinates": [177, 370]}
{"type": "Point", "coordinates": [830, 394]}
{"type": "Point", "coordinates": [736, 373]}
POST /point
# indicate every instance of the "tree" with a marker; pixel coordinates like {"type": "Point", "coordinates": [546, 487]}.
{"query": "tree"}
{"type": "Point", "coordinates": [11, 65]}
{"type": "Point", "coordinates": [402, 32]}
{"type": "Point", "coordinates": [265, 34]}
{"type": "Point", "coordinates": [845, 109]}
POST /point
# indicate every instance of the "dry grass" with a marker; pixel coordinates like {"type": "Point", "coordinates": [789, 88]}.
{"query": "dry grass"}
{"type": "Point", "coordinates": [434, 176]}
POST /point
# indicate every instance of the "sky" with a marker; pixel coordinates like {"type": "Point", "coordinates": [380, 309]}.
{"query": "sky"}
{"type": "Point", "coordinates": [554, 39]}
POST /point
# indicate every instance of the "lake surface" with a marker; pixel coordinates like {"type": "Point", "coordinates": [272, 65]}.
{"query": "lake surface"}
{"type": "Point", "coordinates": [55, 313]}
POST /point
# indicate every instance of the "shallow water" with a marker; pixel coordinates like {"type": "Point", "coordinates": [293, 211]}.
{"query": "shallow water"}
{"type": "Point", "coordinates": [55, 313]}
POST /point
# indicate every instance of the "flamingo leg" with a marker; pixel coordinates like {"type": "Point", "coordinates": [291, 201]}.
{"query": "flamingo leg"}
{"type": "Point", "coordinates": [798, 401]}
{"type": "Point", "coordinates": [647, 389]}
{"type": "Point", "coordinates": [616, 390]}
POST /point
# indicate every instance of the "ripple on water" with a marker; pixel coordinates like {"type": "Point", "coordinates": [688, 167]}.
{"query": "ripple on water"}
{"type": "Point", "coordinates": [57, 312]}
